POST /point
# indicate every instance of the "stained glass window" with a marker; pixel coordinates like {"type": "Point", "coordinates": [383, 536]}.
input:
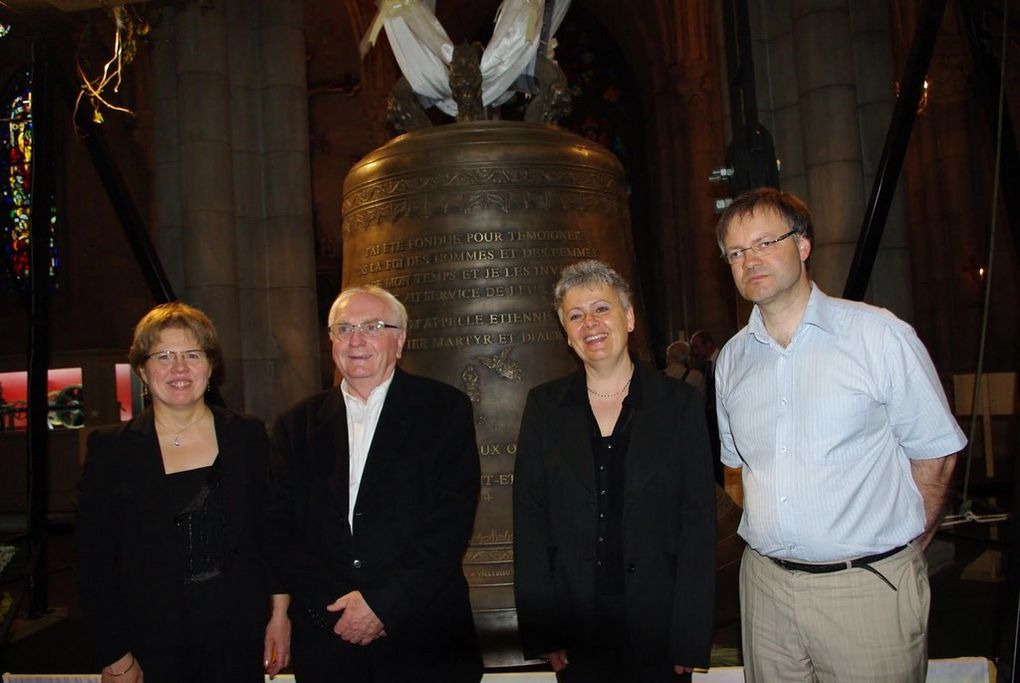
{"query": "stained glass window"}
{"type": "Point", "coordinates": [16, 187]}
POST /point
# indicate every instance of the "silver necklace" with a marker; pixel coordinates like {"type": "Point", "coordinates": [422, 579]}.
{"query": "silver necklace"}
{"type": "Point", "coordinates": [622, 389]}
{"type": "Point", "coordinates": [177, 434]}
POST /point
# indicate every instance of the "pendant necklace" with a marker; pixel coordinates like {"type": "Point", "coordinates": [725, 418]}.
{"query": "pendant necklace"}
{"type": "Point", "coordinates": [177, 434]}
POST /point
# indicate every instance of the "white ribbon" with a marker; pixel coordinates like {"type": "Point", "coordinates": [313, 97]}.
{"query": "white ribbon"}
{"type": "Point", "coordinates": [424, 51]}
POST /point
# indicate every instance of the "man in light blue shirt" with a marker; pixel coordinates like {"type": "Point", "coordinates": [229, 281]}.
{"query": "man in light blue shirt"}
{"type": "Point", "coordinates": [835, 413]}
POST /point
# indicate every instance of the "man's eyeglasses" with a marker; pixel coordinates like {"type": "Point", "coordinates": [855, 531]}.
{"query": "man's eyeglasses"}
{"type": "Point", "coordinates": [760, 247]}
{"type": "Point", "coordinates": [370, 328]}
{"type": "Point", "coordinates": [191, 356]}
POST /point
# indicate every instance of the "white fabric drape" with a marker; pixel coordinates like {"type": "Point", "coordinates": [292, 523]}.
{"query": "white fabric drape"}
{"type": "Point", "coordinates": [424, 51]}
{"type": "Point", "coordinates": [420, 44]}
{"type": "Point", "coordinates": [514, 44]}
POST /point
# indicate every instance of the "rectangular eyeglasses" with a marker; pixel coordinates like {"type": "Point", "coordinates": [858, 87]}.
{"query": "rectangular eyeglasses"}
{"type": "Point", "coordinates": [370, 328]}
{"type": "Point", "coordinates": [762, 246]}
{"type": "Point", "coordinates": [190, 356]}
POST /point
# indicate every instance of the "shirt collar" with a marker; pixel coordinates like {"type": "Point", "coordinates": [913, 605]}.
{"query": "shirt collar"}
{"type": "Point", "coordinates": [817, 313]}
{"type": "Point", "coordinates": [376, 396]}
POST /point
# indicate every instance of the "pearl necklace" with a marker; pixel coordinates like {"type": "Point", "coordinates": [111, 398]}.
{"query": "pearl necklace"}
{"type": "Point", "coordinates": [177, 434]}
{"type": "Point", "coordinates": [622, 389]}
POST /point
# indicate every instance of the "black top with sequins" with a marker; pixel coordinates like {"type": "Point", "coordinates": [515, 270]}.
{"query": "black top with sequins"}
{"type": "Point", "coordinates": [200, 522]}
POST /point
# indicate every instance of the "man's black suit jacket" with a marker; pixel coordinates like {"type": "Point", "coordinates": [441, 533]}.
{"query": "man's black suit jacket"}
{"type": "Point", "coordinates": [668, 521]}
{"type": "Point", "coordinates": [126, 566]}
{"type": "Point", "coordinates": [412, 522]}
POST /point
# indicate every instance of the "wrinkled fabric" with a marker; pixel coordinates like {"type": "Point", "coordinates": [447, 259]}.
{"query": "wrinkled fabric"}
{"type": "Point", "coordinates": [424, 50]}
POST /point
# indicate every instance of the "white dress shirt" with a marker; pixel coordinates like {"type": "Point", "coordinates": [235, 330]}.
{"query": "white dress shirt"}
{"type": "Point", "coordinates": [825, 430]}
{"type": "Point", "coordinates": [362, 419]}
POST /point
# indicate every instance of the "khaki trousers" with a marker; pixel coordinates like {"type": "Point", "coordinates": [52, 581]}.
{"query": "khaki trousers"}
{"type": "Point", "coordinates": [843, 626]}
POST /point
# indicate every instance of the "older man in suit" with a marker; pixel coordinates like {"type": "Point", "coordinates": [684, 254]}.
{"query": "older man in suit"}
{"type": "Point", "coordinates": [375, 485]}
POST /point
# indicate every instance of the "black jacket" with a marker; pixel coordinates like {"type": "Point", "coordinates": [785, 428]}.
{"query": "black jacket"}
{"type": "Point", "coordinates": [668, 521]}
{"type": "Point", "coordinates": [125, 563]}
{"type": "Point", "coordinates": [413, 520]}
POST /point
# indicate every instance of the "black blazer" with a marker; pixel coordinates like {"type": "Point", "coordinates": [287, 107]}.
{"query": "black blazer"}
{"type": "Point", "coordinates": [413, 520]}
{"type": "Point", "coordinates": [668, 521]}
{"type": "Point", "coordinates": [125, 563]}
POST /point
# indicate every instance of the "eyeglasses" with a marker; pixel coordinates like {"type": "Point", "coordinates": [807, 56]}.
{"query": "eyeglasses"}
{"type": "Point", "coordinates": [369, 328]}
{"type": "Point", "coordinates": [760, 247]}
{"type": "Point", "coordinates": [190, 356]}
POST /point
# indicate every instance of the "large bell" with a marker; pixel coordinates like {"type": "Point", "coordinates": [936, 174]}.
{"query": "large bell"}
{"type": "Point", "coordinates": [469, 225]}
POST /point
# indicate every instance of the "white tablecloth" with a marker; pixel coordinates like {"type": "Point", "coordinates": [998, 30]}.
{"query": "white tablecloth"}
{"type": "Point", "coordinates": [963, 670]}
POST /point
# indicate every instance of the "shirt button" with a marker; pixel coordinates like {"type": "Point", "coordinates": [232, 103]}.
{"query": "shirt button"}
{"type": "Point", "coordinates": [609, 445]}
{"type": "Point", "coordinates": [356, 564]}
{"type": "Point", "coordinates": [602, 492]}
{"type": "Point", "coordinates": [602, 468]}
{"type": "Point", "coordinates": [601, 539]}
{"type": "Point", "coordinates": [602, 515]}
{"type": "Point", "coordinates": [783, 449]}
{"type": "Point", "coordinates": [783, 499]}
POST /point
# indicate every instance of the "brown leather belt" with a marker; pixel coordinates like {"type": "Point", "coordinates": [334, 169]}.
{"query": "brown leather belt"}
{"type": "Point", "coordinates": [836, 566]}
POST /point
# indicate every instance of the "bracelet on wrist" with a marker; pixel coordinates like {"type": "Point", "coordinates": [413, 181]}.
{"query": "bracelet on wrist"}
{"type": "Point", "coordinates": [130, 666]}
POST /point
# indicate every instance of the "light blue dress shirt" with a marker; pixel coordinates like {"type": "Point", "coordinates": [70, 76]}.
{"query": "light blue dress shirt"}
{"type": "Point", "coordinates": [825, 430]}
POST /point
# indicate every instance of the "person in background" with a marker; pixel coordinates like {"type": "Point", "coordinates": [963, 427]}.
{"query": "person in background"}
{"type": "Point", "coordinates": [835, 413]}
{"type": "Point", "coordinates": [614, 508]}
{"type": "Point", "coordinates": [375, 485]}
{"type": "Point", "coordinates": [168, 565]}
{"type": "Point", "coordinates": [678, 365]}
{"type": "Point", "coordinates": [705, 352]}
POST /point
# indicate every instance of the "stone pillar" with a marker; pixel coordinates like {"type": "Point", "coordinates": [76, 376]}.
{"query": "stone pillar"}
{"type": "Point", "coordinates": [703, 149]}
{"type": "Point", "coordinates": [289, 266]}
{"type": "Point", "coordinates": [234, 190]}
{"type": "Point", "coordinates": [831, 135]}
{"type": "Point", "coordinates": [170, 243]}
{"type": "Point", "coordinates": [208, 240]}
{"type": "Point", "coordinates": [778, 89]}
{"type": "Point", "coordinates": [257, 348]}
{"type": "Point", "coordinates": [690, 143]}
{"type": "Point", "coordinates": [824, 76]}
{"type": "Point", "coordinates": [662, 136]}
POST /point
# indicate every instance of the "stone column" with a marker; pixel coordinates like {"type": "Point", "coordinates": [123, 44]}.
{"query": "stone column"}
{"type": "Point", "coordinates": [824, 78]}
{"type": "Point", "coordinates": [167, 171]}
{"type": "Point", "coordinates": [290, 296]}
{"type": "Point", "coordinates": [257, 349]}
{"type": "Point", "coordinates": [831, 135]}
{"type": "Point", "coordinates": [206, 180]}
{"type": "Point", "coordinates": [694, 145]}
{"type": "Point", "coordinates": [233, 190]}
{"type": "Point", "coordinates": [778, 89]}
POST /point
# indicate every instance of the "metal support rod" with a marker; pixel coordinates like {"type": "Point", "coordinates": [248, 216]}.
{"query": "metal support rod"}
{"type": "Point", "coordinates": [40, 255]}
{"type": "Point", "coordinates": [127, 213]}
{"type": "Point", "coordinates": [887, 176]}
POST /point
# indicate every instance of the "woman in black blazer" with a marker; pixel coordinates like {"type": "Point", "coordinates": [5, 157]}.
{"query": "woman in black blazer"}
{"type": "Point", "coordinates": [614, 507]}
{"type": "Point", "coordinates": [167, 559]}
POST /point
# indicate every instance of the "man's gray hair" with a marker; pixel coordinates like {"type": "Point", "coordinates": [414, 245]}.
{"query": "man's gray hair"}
{"type": "Point", "coordinates": [590, 273]}
{"type": "Point", "coordinates": [396, 307]}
